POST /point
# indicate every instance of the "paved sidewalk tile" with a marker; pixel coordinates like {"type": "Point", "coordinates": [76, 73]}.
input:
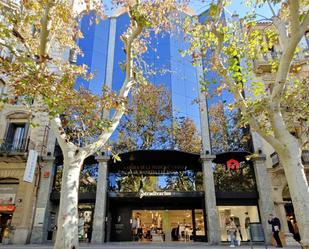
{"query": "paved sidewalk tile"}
{"type": "Point", "coordinates": [132, 245]}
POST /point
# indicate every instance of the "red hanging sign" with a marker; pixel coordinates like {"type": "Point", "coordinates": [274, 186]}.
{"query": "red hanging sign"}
{"type": "Point", "coordinates": [7, 208]}
{"type": "Point", "coordinates": [232, 164]}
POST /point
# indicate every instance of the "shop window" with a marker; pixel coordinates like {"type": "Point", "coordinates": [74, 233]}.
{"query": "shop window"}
{"type": "Point", "coordinates": [242, 216]}
{"type": "Point", "coordinates": [183, 181]}
{"type": "Point", "coordinates": [8, 190]}
{"type": "Point", "coordinates": [88, 178]}
{"type": "Point", "coordinates": [225, 134]}
{"type": "Point", "coordinates": [161, 225]}
{"type": "Point", "coordinates": [85, 221]}
{"type": "Point", "coordinates": [58, 178]}
{"type": "Point", "coordinates": [199, 222]}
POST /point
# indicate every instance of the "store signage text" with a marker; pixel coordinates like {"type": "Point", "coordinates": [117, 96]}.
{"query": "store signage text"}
{"type": "Point", "coordinates": [151, 169]}
{"type": "Point", "coordinates": [149, 194]}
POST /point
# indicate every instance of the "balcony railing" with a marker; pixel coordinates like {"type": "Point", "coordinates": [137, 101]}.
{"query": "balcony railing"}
{"type": "Point", "coordinates": [15, 146]}
{"type": "Point", "coordinates": [275, 158]}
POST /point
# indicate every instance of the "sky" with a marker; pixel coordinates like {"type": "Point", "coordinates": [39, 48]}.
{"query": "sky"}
{"type": "Point", "coordinates": [237, 6]}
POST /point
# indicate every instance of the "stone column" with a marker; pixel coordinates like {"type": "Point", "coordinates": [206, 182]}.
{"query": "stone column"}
{"type": "Point", "coordinates": [266, 203]}
{"type": "Point", "coordinates": [41, 218]}
{"type": "Point", "coordinates": [167, 226]}
{"type": "Point", "coordinates": [212, 216]}
{"type": "Point", "coordinates": [98, 229]}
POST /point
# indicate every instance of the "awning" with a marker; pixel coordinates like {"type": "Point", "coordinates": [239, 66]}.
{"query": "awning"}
{"type": "Point", "coordinates": [7, 208]}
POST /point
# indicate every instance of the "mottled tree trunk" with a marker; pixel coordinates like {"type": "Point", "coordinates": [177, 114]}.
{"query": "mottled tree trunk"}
{"type": "Point", "coordinates": [67, 232]}
{"type": "Point", "coordinates": [290, 158]}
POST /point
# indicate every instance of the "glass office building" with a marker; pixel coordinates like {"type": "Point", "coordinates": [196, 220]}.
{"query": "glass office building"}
{"type": "Point", "coordinates": [162, 195]}
{"type": "Point", "coordinates": [103, 54]}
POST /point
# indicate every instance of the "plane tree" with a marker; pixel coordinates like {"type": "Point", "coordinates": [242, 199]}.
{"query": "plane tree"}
{"type": "Point", "coordinates": [273, 102]}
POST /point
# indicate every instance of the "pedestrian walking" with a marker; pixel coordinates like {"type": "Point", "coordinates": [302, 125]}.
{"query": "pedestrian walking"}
{"type": "Point", "coordinates": [276, 227]}
{"type": "Point", "coordinates": [231, 229]}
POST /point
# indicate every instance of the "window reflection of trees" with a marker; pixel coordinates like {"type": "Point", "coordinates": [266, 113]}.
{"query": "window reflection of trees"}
{"type": "Point", "coordinates": [235, 180]}
{"type": "Point", "coordinates": [226, 131]}
{"type": "Point", "coordinates": [87, 180]}
{"type": "Point", "coordinates": [174, 181]}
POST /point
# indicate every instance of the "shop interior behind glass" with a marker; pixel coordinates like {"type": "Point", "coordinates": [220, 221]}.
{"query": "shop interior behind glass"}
{"type": "Point", "coordinates": [242, 216]}
{"type": "Point", "coordinates": [166, 225]}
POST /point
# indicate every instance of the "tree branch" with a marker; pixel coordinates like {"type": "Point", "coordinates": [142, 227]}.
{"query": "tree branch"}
{"type": "Point", "coordinates": [136, 30]}
{"type": "Point", "coordinates": [288, 52]}
{"type": "Point", "coordinates": [45, 32]}
{"type": "Point", "coordinates": [294, 15]}
{"type": "Point", "coordinates": [305, 24]}
{"type": "Point", "coordinates": [283, 32]}
{"type": "Point", "coordinates": [271, 8]}
{"type": "Point", "coordinates": [238, 94]}
{"type": "Point", "coordinates": [304, 135]}
{"type": "Point", "coordinates": [55, 124]}
{"type": "Point", "coordinates": [220, 6]}
{"type": "Point", "coordinates": [244, 109]}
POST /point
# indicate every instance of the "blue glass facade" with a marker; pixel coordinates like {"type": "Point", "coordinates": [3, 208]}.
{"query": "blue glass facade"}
{"type": "Point", "coordinates": [224, 133]}
{"type": "Point", "coordinates": [173, 71]}
{"type": "Point", "coordinates": [156, 179]}
{"type": "Point", "coordinates": [95, 47]}
{"type": "Point", "coordinates": [122, 23]}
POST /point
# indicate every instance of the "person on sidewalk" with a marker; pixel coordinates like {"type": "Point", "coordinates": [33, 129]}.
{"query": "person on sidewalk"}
{"type": "Point", "coordinates": [276, 226]}
{"type": "Point", "coordinates": [231, 229]}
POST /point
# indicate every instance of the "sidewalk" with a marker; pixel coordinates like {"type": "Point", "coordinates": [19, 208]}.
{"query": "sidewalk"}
{"type": "Point", "coordinates": [134, 245]}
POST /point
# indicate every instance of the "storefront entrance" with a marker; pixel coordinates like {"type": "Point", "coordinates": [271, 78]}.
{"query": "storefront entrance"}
{"type": "Point", "coordinates": [5, 223]}
{"type": "Point", "coordinates": [85, 221]}
{"type": "Point", "coordinates": [156, 196]}
{"type": "Point", "coordinates": [167, 225]}
{"type": "Point", "coordinates": [179, 218]}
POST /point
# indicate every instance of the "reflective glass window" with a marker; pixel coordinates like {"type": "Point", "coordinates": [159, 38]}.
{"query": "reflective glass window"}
{"type": "Point", "coordinates": [242, 217]}
{"type": "Point", "coordinates": [187, 180]}
{"type": "Point", "coordinates": [240, 179]}
{"type": "Point", "coordinates": [199, 222]}
{"type": "Point", "coordinates": [87, 180]}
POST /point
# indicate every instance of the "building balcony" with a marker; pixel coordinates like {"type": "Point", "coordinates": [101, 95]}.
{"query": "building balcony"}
{"type": "Point", "coordinates": [276, 161]}
{"type": "Point", "coordinates": [19, 146]}
{"type": "Point", "coordinates": [263, 64]}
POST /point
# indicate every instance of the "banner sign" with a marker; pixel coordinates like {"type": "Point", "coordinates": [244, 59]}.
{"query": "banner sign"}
{"type": "Point", "coordinates": [7, 208]}
{"type": "Point", "coordinates": [31, 165]}
{"type": "Point", "coordinates": [142, 194]}
{"type": "Point", "coordinates": [39, 217]}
